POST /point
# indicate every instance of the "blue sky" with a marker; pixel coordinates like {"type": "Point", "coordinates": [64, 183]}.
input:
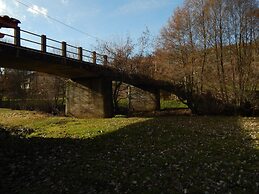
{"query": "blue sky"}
{"type": "Point", "coordinates": [106, 20]}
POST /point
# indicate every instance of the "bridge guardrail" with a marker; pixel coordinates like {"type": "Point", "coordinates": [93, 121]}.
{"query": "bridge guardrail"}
{"type": "Point", "coordinates": [42, 43]}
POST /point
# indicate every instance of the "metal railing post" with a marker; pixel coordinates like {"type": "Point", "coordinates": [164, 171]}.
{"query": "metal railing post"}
{"type": "Point", "coordinates": [43, 43]}
{"type": "Point", "coordinates": [94, 57]}
{"type": "Point", "coordinates": [17, 36]}
{"type": "Point", "coordinates": [64, 49]}
{"type": "Point", "coordinates": [80, 53]}
{"type": "Point", "coordinates": [105, 60]}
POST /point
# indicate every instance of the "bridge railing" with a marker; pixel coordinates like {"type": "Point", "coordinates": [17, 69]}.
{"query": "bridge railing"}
{"type": "Point", "coordinates": [44, 44]}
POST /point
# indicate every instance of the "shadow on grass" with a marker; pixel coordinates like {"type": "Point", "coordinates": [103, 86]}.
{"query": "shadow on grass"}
{"type": "Point", "coordinates": [163, 155]}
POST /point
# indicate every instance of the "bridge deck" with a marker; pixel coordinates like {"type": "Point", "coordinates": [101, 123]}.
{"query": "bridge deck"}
{"type": "Point", "coordinates": [18, 57]}
{"type": "Point", "coordinates": [84, 66]}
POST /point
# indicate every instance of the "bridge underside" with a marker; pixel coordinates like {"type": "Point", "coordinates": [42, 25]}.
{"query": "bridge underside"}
{"type": "Point", "coordinates": [90, 95]}
{"type": "Point", "coordinates": [33, 60]}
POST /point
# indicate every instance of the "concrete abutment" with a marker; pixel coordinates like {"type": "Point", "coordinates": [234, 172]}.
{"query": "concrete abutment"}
{"type": "Point", "coordinates": [89, 98]}
{"type": "Point", "coordinates": [92, 98]}
{"type": "Point", "coordinates": [143, 100]}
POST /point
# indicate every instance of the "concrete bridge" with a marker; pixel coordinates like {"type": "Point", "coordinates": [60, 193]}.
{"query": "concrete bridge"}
{"type": "Point", "coordinates": [89, 94]}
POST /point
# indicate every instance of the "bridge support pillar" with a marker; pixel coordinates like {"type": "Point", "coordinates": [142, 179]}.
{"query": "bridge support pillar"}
{"type": "Point", "coordinates": [143, 101]}
{"type": "Point", "coordinates": [89, 98]}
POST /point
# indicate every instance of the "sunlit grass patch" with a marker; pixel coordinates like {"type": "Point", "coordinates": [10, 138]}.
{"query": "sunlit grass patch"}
{"type": "Point", "coordinates": [178, 154]}
{"type": "Point", "coordinates": [60, 127]}
{"type": "Point", "coordinates": [170, 104]}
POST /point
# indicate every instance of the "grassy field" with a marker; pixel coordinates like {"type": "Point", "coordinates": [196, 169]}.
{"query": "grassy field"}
{"type": "Point", "coordinates": [165, 104]}
{"type": "Point", "coordinates": [169, 104]}
{"type": "Point", "coordinates": [181, 154]}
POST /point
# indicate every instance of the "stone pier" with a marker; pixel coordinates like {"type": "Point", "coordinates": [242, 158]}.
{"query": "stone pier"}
{"type": "Point", "coordinates": [89, 98]}
{"type": "Point", "coordinates": [143, 101]}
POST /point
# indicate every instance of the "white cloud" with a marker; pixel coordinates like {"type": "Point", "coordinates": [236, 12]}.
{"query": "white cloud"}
{"type": "Point", "coordinates": [2, 7]}
{"type": "Point", "coordinates": [36, 10]}
{"type": "Point", "coordinates": [10, 8]}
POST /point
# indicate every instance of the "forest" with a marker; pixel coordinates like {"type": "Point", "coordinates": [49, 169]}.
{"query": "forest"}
{"type": "Point", "coordinates": [211, 48]}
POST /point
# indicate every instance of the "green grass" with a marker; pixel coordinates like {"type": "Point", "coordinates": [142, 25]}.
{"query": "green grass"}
{"type": "Point", "coordinates": [170, 104]}
{"type": "Point", "coordinates": [61, 127]}
{"type": "Point", "coordinates": [165, 104]}
{"type": "Point", "coordinates": [128, 155]}
{"type": "Point", "coordinates": [123, 103]}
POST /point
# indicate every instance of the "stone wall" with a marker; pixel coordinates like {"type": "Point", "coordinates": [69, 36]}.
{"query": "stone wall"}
{"type": "Point", "coordinates": [91, 98]}
{"type": "Point", "coordinates": [144, 101]}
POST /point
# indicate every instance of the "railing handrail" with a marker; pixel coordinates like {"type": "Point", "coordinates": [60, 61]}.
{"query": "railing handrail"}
{"type": "Point", "coordinates": [72, 46]}
{"type": "Point", "coordinates": [31, 33]}
{"type": "Point", "coordinates": [7, 35]}
{"type": "Point", "coordinates": [63, 47]}
{"type": "Point", "coordinates": [31, 41]}
{"type": "Point", "coordinates": [87, 50]}
{"type": "Point", "coordinates": [53, 40]}
{"type": "Point", "coordinates": [53, 47]}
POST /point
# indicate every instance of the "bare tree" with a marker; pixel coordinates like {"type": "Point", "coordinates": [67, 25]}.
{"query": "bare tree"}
{"type": "Point", "coordinates": [211, 46]}
{"type": "Point", "coordinates": [121, 52]}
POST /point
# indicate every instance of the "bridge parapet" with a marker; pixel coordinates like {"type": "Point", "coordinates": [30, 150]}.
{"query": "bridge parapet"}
{"type": "Point", "coordinates": [25, 39]}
